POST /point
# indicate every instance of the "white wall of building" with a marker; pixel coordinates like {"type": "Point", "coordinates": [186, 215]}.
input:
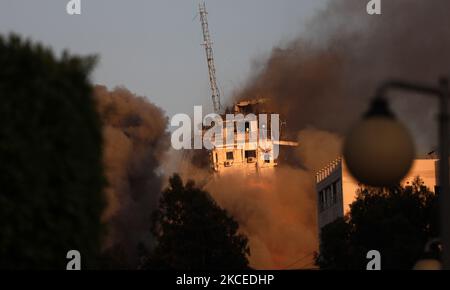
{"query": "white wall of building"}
{"type": "Point", "coordinates": [347, 187]}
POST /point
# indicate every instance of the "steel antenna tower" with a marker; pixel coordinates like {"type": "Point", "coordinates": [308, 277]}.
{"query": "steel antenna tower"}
{"type": "Point", "coordinates": [207, 43]}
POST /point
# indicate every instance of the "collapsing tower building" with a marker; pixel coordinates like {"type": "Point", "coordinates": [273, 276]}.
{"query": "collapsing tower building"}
{"type": "Point", "coordinates": [248, 144]}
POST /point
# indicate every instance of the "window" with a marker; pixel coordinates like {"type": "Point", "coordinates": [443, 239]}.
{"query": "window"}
{"type": "Point", "coordinates": [328, 197]}
{"type": "Point", "coordinates": [266, 158]}
{"type": "Point", "coordinates": [247, 126]}
{"type": "Point", "coordinates": [321, 201]}
{"type": "Point", "coordinates": [334, 192]}
{"type": "Point", "coordinates": [230, 156]}
{"type": "Point", "coordinates": [250, 153]}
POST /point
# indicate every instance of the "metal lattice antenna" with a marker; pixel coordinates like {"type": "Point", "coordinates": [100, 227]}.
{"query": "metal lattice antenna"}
{"type": "Point", "coordinates": [210, 58]}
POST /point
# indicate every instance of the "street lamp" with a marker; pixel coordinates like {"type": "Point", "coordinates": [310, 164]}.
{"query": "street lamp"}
{"type": "Point", "coordinates": [379, 151]}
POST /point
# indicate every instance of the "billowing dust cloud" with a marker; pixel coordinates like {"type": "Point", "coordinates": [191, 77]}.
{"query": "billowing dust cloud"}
{"type": "Point", "coordinates": [320, 84]}
{"type": "Point", "coordinates": [326, 77]}
{"type": "Point", "coordinates": [277, 212]}
{"type": "Point", "coordinates": [317, 148]}
{"type": "Point", "coordinates": [135, 141]}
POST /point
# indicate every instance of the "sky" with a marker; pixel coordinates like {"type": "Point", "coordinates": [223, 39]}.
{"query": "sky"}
{"type": "Point", "coordinates": [153, 47]}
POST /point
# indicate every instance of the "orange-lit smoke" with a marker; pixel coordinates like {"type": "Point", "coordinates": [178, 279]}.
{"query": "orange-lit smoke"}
{"type": "Point", "coordinates": [276, 211]}
{"type": "Point", "coordinates": [326, 77]}
{"type": "Point", "coordinates": [135, 142]}
{"type": "Point", "coordinates": [321, 83]}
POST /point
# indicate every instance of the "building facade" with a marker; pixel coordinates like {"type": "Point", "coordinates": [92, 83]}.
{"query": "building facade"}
{"type": "Point", "coordinates": [337, 189]}
{"type": "Point", "coordinates": [252, 149]}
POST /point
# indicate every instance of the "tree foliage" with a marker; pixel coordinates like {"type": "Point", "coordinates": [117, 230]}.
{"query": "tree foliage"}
{"type": "Point", "coordinates": [398, 222]}
{"type": "Point", "coordinates": [50, 158]}
{"type": "Point", "coordinates": [194, 233]}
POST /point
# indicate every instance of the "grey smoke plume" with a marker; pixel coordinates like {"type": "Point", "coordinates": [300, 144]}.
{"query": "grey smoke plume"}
{"type": "Point", "coordinates": [135, 142]}
{"type": "Point", "coordinates": [321, 83]}
{"type": "Point", "coordinates": [276, 212]}
{"type": "Point", "coordinates": [321, 80]}
{"type": "Point", "coordinates": [325, 78]}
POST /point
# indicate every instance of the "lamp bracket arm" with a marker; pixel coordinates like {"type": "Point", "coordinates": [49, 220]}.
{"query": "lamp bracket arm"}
{"type": "Point", "coordinates": [412, 87]}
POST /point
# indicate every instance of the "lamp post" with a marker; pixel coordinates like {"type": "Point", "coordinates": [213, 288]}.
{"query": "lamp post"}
{"type": "Point", "coordinates": [379, 151]}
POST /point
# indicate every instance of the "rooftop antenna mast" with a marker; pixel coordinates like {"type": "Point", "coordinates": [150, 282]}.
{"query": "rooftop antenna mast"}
{"type": "Point", "coordinates": [207, 43]}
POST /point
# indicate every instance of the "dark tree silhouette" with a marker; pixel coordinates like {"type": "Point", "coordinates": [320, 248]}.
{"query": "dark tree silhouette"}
{"type": "Point", "coordinates": [194, 233]}
{"type": "Point", "coordinates": [50, 158]}
{"type": "Point", "coordinates": [398, 222]}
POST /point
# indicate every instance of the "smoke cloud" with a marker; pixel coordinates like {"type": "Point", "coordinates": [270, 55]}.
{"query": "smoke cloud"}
{"type": "Point", "coordinates": [276, 213]}
{"type": "Point", "coordinates": [135, 143]}
{"type": "Point", "coordinates": [317, 148]}
{"type": "Point", "coordinates": [326, 77]}
{"type": "Point", "coordinates": [320, 83]}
